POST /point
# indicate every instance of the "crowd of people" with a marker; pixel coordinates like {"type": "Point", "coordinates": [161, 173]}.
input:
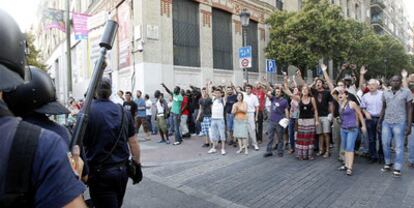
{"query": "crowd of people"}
{"type": "Point", "coordinates": [369, 117]}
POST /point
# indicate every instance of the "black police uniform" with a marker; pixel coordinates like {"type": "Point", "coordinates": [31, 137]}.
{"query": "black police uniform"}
{"type": "Point", "coordinates": [108, 175]}
{"type": "Point", "coordinates": [50, 180]}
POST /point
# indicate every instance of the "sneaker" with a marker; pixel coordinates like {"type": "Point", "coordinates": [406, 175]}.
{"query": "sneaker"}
{"type": "Point", "coordinates": [342, 168]}
{"type": "Point", "coordinates": [386, 168]}
{"type": "Point", "coordinates": [246, 152]}
{"type": "Point", "coordinates": [349, 172]}
{"type": "Point", "coordinates": [205, 145]}
{"type": "Point", "coordinates": [256, 147]}
{"type": "Point", "coordinates": [223, 152]}
{"type": "Point", "coordinates": [167, 142]}
{"type": "Point", "coordinates": [396, 173]}
{"type": "Point", "coordinates": [211, 151]}
{"type": "Point", "coordinates": [201, 135]}
{"type": "Point", "coordinates": [268, 154]}
{"type": "Point", "coordinates": [177, 143]}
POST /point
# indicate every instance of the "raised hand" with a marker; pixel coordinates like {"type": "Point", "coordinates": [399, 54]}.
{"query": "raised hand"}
{"type": "Point", "coordinates": [404, 73]}
{"type": "Point", "coordinates": [353, 66]}
{"type": "Point", "coordinates": [324, 67]}
{"type": "Point", "coordinates": [363, 70]}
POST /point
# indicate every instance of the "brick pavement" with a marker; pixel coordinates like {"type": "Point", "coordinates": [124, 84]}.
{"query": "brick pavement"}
{"type": "Point", "coordinates": [186, 176]}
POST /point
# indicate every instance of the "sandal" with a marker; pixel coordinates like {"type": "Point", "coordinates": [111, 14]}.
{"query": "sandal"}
{"type": "Point", "coordinates": [320, 153]}
{"type": "Point", "coordinates": [326, 155]}
{"type": "Point", "coordinates": [349, 172]}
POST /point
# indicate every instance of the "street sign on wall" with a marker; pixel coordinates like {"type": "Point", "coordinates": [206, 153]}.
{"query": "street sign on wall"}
{"type": "Point", "coordinates": [245, 57]}
{"type": "Point", "coordinates": [271, 66]}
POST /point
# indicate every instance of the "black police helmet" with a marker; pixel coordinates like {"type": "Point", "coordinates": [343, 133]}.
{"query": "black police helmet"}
{"type": "Point", "coordinates": [37, 95]}
{"type": "Point", "coordinates": [12, 53]}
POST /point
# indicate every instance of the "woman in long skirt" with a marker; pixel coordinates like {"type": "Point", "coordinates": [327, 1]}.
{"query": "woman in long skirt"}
{"type": "Point", "coordinates": [308, 119]}
{"type": "Point", "coordinates": [240, 123]}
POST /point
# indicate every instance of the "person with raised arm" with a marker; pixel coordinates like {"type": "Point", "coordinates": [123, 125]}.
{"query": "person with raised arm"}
{"type": "Point", "coordinates": [308, 119]}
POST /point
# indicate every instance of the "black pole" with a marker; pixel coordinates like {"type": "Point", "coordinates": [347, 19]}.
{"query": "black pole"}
{"type": "Point", "coordinates": [106, 43]}
{"type": "Point", "coordinates": [68, 50]}
{"type": "Point", "coordinates": [244, 39]}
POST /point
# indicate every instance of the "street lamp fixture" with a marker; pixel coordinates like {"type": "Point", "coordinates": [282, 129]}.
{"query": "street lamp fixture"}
{"type": "Point", "coordinates": [244, 19]}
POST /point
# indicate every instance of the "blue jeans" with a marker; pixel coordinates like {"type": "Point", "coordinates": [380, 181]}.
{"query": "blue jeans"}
{"type": "Point", "coordinates": [177, 132]}
{"type": "Point", "coordinates": [396, 132]}
{"type": "Point", "coordinates": [411, 146]}
{"type": "Point", "coordinates": [275, 128]}
{"type": "Point", "coordinates": [170, 124]}
{"type": "Point", "coordinates": [291, 131]}
{"type": "Point", "coordinates": [348, 138]}
{"type": "Point", "coordinates": [197, 124]}
{"type": "Point", "coordinates": [229, 122]}
{"type": "Point", "coordinates": [373, 136]}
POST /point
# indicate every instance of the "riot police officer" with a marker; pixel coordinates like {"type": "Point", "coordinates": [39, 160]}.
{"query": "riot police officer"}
{"type": "Point", "coordinates": [35, 170]}
{"type": "Point", "coordinates": [110, 131]}
{"type": "Point", "coordinates": [35, 100]}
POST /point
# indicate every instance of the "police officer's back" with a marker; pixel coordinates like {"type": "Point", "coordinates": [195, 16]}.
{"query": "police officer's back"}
{"type": "Point", "coordinates": [34, 167]}
{"type": "Point", "coordinates": [110, 131]}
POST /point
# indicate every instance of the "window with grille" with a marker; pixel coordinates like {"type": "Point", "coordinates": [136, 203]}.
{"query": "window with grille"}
{"type": "Point", "coordinates": [222, 40]}
{"type": "Point", "coordinates": [252, 41]}
{"type": "Point", "coordinates": [186, 33]}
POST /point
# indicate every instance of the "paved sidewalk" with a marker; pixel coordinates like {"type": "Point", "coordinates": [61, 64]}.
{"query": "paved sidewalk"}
{"type": "Point", "coordinates": [186, 176]}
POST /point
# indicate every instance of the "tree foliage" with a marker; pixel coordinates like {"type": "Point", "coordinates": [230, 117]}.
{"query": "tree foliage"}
{"type": "Point", "coordinates": [33, 56]}
{"type": "Point", "coordinates": [319, 31]}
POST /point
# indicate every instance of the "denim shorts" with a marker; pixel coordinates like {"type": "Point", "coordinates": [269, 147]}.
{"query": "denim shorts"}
{"type": "Point", "coordinates": [217, 130]}
{"type": "Point", "coordinates": [348, 138]}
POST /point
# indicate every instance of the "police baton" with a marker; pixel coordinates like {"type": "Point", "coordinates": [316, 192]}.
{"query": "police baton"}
{"type": "Point", "coordinates": [106, 43]}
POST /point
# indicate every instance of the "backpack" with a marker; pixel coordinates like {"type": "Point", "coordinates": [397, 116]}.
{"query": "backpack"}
{"type": "Point", "coordinates": [18, 191]}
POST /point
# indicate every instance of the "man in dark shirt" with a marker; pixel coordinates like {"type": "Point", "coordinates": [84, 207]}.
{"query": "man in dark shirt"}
{"type": "Point", "coordinates": [278, 111]}
{"type": "Point", "coordinates": [204, 115]}
{"type": "Point", "coordinates": [130, 105]}
{"type": "Point", "coordinates": [323, 102]}
{"type": "Point", "coordinates": [230, 99]}
{"type": "Point", "coordinates": [110, 131]}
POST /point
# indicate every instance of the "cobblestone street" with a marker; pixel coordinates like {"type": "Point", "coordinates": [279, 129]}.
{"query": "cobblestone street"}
{"type": "Point", "coordinates": [186, 176]}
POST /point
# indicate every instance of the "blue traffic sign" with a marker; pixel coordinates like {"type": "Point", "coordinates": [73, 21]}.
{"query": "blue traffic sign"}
{"type": "Point", "coordinates": [271, 66]}
{"type": "Point", "coordinates": [245, 52]}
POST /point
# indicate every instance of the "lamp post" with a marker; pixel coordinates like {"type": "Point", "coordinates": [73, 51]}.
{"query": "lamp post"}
{"type": "Point", "coordinates": [244, 19]}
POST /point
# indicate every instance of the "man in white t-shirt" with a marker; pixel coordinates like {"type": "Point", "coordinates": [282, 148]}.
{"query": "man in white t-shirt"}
{"type": "Point", "coordinates": [252, 113]}
{"type": "Point", "coordinates": [148, 112]}
{"type": "Point", "coordinates": [217, 122]}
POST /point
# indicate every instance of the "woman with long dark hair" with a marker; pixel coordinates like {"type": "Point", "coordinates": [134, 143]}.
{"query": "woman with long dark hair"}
{"type": "Point", "coordinates": [308, 119]}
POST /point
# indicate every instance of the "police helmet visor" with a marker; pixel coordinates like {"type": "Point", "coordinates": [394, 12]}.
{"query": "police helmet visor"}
{"type": "Point", "coordinates": [52, 108]}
